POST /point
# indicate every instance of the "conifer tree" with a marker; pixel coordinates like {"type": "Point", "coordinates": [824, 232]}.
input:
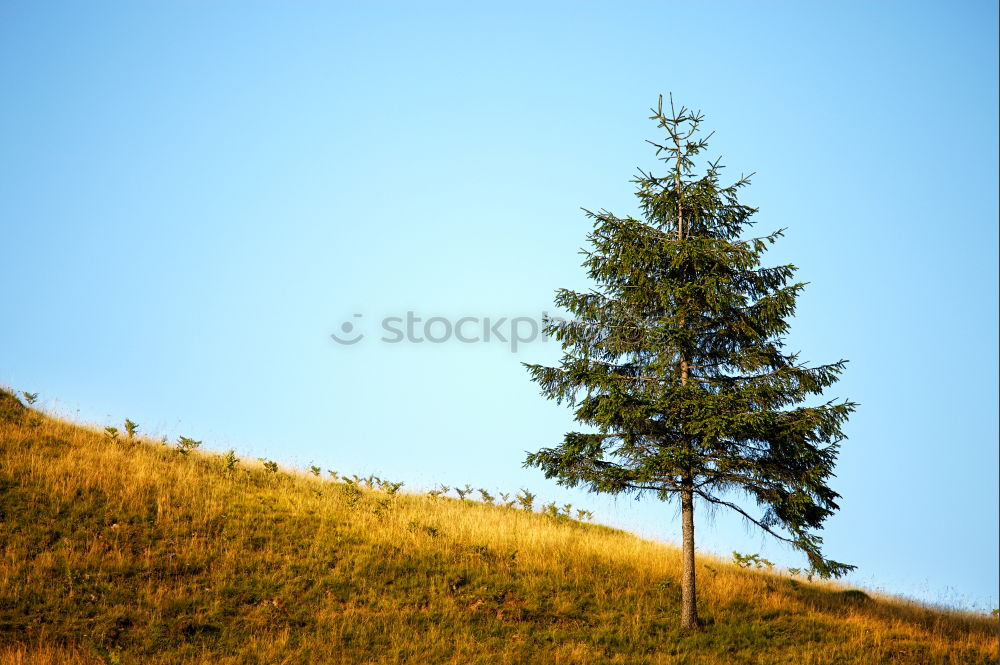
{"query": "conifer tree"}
{"type": "Point", "coordinates": [675, 364]}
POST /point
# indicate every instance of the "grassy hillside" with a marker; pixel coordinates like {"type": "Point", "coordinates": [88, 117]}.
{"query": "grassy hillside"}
{"type": "Point", "coordinates": [118, 552]}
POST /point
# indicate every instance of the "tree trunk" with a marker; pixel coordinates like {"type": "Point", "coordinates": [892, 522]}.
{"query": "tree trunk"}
{"type": "Point", "coordinates": [689, 606]}
{"type": "Point", "coordinates": [689, 595]}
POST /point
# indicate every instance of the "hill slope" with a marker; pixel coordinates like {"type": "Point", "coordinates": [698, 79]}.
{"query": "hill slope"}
{"type": "Point", "coordinates": [116, 552]}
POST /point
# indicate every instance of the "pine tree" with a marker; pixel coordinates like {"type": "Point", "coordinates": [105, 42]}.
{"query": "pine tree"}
{"type": "Point", "coordinates": [675, 363]}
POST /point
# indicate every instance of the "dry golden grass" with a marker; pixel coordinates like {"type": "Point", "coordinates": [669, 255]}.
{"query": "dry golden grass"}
{"type": "Point", "coordinates": [124, 553]}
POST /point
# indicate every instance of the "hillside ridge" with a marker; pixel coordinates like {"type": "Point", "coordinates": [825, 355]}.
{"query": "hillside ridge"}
{"type": "Point", "coordinates": [121, 549]}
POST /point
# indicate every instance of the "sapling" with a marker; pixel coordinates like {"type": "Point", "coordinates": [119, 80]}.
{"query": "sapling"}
{"type": "Point", "coordinates": [186, 445]}
{"type": "Point", "coordinates": [748, 560]}
{"type": "Point", "coordinates": [351, 493]}
{"type": "Point", "coordinates": [314, 470]}
{"type": "Point", "coordinates": [390, 488]}
{"type": "Point", "coordinates": [487, 497]}
{"type": "Point", "coordinates": [111, 434]}
{"type": "Point", "coordinates": [271, 466]}
{"type": "Point", "coordinates": [230, 461]}
{"type": "Point", "coordinates": [131, 429]}
{"type": "Point", "coordinates": [34, 420]}
{"type": "Point", "coordinates": [526, 499]}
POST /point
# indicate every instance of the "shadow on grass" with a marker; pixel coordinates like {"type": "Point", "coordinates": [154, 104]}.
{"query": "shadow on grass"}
{"type": "Point", "coordinates": [842, 602]}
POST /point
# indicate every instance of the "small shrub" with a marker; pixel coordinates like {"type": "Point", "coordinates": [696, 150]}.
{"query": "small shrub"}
{"type": "Point", "coordinates": [751, 560]}
{"type": "Point", "coordinates": [314, 470]}
{"type": "Point", "coordinates": [271, 466]}
{"type": "Point", "coordinates": [553, 511]}
{"type": "Point", "coordinates": [34, 419]}
{"type": "Point", "coordinates": [525, 499]}
{"type": "Point", "coordinates": [462, 492]}
{"type": "Point", "coordinates": [186, 445]}
{"type": "Point", "coordinates": [230, 461]}
{"type": "Point", "coordinates": [333, 475]}
{"type": "Point", "coordinates": [487, 497]}
{"type": "Point", "coordinates": [131, 429]}
{"type": "Point", "coordinates": [392, 489]}
{"type": "Point", "coordinates": [111, 434]}
{"type": "Point", "coordinates": [380, 506]}
{"type": "Point", "coordinates": [352, 494]}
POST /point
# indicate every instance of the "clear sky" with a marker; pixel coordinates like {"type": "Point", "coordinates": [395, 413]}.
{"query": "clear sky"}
{"type": "Point", "coordinates": [194, 195]}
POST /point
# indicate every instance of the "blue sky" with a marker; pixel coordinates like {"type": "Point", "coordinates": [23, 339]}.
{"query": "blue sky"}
{"type": "Point", "coordinates": [194, 195]}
